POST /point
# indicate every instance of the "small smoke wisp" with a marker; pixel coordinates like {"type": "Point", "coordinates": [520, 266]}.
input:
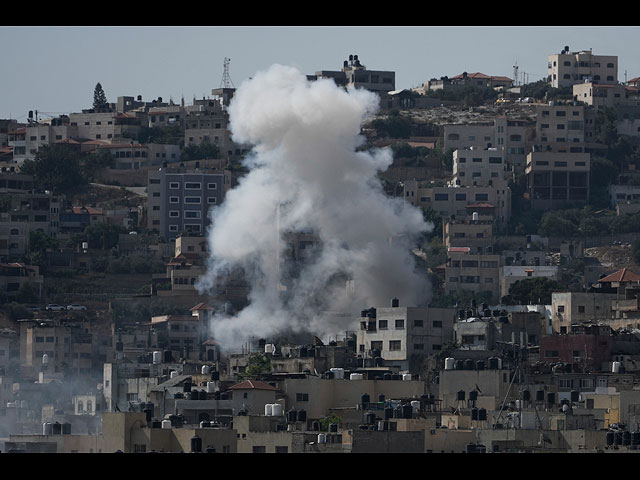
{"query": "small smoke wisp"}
{"type": "Point", "coordinates": [306, 174]}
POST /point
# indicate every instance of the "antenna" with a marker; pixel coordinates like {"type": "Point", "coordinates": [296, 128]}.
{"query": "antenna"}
{"type": "Point", "coordinates": [515, 72]}
{"type": "Point", "coordinates": [226, 78]}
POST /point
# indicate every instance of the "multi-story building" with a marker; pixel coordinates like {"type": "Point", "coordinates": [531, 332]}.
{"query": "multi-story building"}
{"type": "Point", "coordinates": [48, 132]}
{"type": "Point", "coordinates": [474, 166]}
{"type": "Point", "coordinates": [38, 211]}
{"type": "Point", "coordinates": [180, 202]}
{"type": "Point", "coordinates": [557, 179]}
{"type": "Point", "coordinates": [476, 79]}
{"type": "Point", "coordinates": [472, 272]}
{"type": "Point", "coordinates": [461, 202]}
{"type": "Point", "coordinates": [475, 234]}
{"type": "Point", "coordinates": [569, 308]}
{"type": "Point", "coordinates": [569, 68]}
{"type": "Point", "coordinates": [404, 336]}
{"type": "Point", "coordinates": [606, 95]}
{"type": "Point", "coordinates": [106, 126]}
{"type": "Point", "coordinates": [17, 141]}
{"type": "Point", "coordinates": [14, 276]}
{"type": "Point", "coordinates": [354, 74]}
{"type": "Point", "coordinates": [560, 128]}
{"type": "Point", "coordinates": [130, 155]}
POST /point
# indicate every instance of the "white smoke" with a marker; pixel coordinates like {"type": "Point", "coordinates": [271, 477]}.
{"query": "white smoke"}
{"type": "Point", "coordinates": [305, 173]}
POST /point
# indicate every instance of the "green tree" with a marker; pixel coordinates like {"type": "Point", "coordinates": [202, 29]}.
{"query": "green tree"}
{"type": "Point", "coordinates": [56, 167]}
{"type": "Point", "coordinates": [257, 364]}
{"type": "Point", "coordinates": [536, 291]}
{"type": "Point", "coordinates": [40, 241]}
{"type": "Point", "coordinates": [99, 98]}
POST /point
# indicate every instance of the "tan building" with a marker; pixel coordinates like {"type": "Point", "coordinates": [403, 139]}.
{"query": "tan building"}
{"type": "Point", "coordinates": [601, 95]}
{"type": "Point", "coordinates": [568, 308]}
{"type": "Point", "coordinates": [473, 273]}
{"type": "Point", "coordinates": [105, 126]}
{"type": "Point", "coordinates": [483, 167]}
{"type": "Point", "coordinates": [569, 68]}
{"type": "Point", "coordinates": [404, 336]}
{"type": "Point", "coordinates": [15, 276]}
{"type": "Point", "coordinates": [557, 180]}
{"type": "Point", "coordinates": [560, 128]}
{"type": "Point", "coordinates": [475, 234]}
{"type": "Point", "coordinates": [514, 273]}
{"type": "Point", "coordinates": [52, 131]}
{"type": "Point", "coordinates": [459, 202]}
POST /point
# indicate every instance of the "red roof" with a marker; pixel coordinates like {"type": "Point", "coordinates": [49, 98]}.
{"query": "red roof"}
{"type": "Point", "coordinates": [459, 249]}
{"type": "Point", "coordinates": [622, 275]}
{"type": "Point", "coordinates": [252, 385]}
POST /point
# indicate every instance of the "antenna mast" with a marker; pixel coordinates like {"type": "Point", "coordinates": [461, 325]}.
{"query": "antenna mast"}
{"type": "Point", "coordinates": [226, 78]}
{"type": "Point", "coordinates": [515, 73]}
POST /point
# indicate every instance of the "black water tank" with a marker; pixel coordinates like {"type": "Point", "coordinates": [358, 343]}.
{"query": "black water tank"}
{"type": "Point", "coordinates": [148, 414]}
{"type": "Point", "coordinates": [474, 414]}
{"type": "Point", "coordinates": [119, 346]}
{"type": "Point", "coordinates": [196, 444]}
{"type": "Point", "coordinates": [57, 428]}
{"type": "Point", "coordinates": [397, 412]}
{"type": "Point", "coordinates": [493, 363]}
{"type": "Point", "coordinates": [540, 396]}
{"type": "Point", "coordinates": [459, 365]}
{"type": "Point", "coordinates": [186, 387]}
{"type": "Point", "coordinates": [471, 448]}
{"type": "Point", "coordinates": [315, 426]}
{"type": "Point", "coordinates": [575, 396]}
{"type": "Point", "coordinates": [395, 302]}
{"type": "Point", "coordinates": [407, 411]}
{"type": "Point", "coordinates": [66, 428]}
{"type": "Point", "coordinates": [551, 398]}
{"type": "Point", "coordinates": [387, 376]}
{"type": "Point", "coordinates": [482, 414]}
{"type": "Point", "coordinates": [303, 351]}
{"type": "Point", "coordinates": [370, 418]}
{"type": "Point", "coordinates": [302, 415]}
{"type": "Point", "coordinates": [379, 361]}
{"type": "Point", "coordinates": [461, 395]}
{"type": "Point", "coordinates": [215, 376]}
{"type": "Point", "coordinates": [388, 413]}
{"type": "Point", "coordinates": [381, 398]}
{"type": "Point", "coordinates": [626, 438]}
{"type": "Point", "coordinates": [480, 365]}
{"type": "Point", "coordinates": [635, 438]}
{"type": "Point", "coordinates": [473, 395]}
{"type": "Point", "coordinates": [168, 357]}
{"type": "Point", "coordinates": [292, 416]}
{"type": "Point", "coordinates": [333, 427]}
{"type": "Point", "coordinates": [365, 399]}
{"type": "Point", "coordinates": [617, 438]}
{"type": "Point", "coordinates": [526, 395]}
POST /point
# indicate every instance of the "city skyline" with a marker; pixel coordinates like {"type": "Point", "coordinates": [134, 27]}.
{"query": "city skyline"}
{"type": "Point", "coordinates": [55, 69]}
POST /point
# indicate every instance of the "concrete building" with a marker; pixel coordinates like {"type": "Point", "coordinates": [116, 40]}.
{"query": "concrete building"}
{"type": "Point", "coordinates": [404, 336]}
{"type": "Point", "coordinates": [578, 307]}
{"type": "Point", "coordinates": [569, 68]}
{"type": "Point", "coordinates": [557, 180]}
{"type": "Point", "coordinates": [602, 95]}
{"type": "Point", "coordinates": [560, 128]}
{"type": "Point", "coordinates": [483, 167]}
{"type": "Point", "coordinates": [460, 202]}
{"type": "Point", "coordinates": [180, 202]}
{"type": "Point", "coordinates": [15, 276]}
{"type": "Point", "coordinates": [471, 272]}
{"type": "Point", "coordinates": [355, 74]}
{"type": "Point", "coordinates": [132, 156]}
{"type": "Point", "coordinates": [475, 234]}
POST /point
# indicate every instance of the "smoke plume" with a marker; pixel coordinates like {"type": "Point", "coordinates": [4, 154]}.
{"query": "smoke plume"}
{"type": "Point", "coordinates": [307, 175]}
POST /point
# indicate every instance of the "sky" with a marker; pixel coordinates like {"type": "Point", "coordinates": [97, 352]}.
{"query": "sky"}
{"type": "Point", "coordinates": [55, 69]}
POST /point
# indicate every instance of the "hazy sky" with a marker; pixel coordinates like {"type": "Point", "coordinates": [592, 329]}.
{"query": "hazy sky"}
{"type": "Point", "coordinates": [55, 69]}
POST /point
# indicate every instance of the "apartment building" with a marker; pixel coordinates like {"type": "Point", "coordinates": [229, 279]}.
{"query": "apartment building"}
{"type": "Point", "coordinates": [107, 126]}
{"type": "Point", "coordinates": [475, 166]}
{"type": "Point", "coordinates": [404, 336]}
{"type": "Point", "coordinates": [461, 202]}
{"type": "Point", "coordinates": [132, 156]}
{"type": "Point", "coordinates": [560, 127]}
{"type": "Point", "coordinates": [557, 179]}
{"type": "Point", "coordinates": [38, 211]}
{"type": "Point", "coordinates": [604, 95]}
{"type": "Point", "coordinates": [569, 68]}
{"type": "Point", "coordinates": [14, 276]}
{"type": "Point", "coordinates": [48, 132]}
{"type": "Point", "coordinates": [472, 272]}
{"type": "Point", "coordinates": [70, 348]}
{"type": "Point", "coordinates": [569, 308]}
{"type": "Point", "coordinates": [355, 74]}
{"type": "Point", "coordinates": [180, 202]}
{"type": "Point", "coordinates": [476, 234]}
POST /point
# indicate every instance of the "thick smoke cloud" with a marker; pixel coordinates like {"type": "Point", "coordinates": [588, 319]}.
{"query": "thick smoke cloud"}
{"type": "Point", "coordinates": [305, 173]}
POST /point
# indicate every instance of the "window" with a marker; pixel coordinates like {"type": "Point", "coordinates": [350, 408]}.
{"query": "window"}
{"type": "Point", "coordinates": [174, 185]}
{"type": "Point", "coordinates": [580, 308]}
{"type": "Point", "coordinates": [259, 449]}
{"type": "Point", "coordinates": [282, 449]}
{"type": "Point", "coordinates": [174, 213]}
{"type": "Point", "coordinates": [376, 345]}
{"type": "Point", "coordinates": [211, 200]}
{"type": "Point", "coordinates": [437, 324]}
{"type": "Point", "coordinates": [382, 325]}
{"type": "Point", "coordinates": [395, 345]}
{"type": "Point", "coordinates": [400, 324]}
{"type": "Point", "coordinates": [418, 346]}
{"type": "Point", "coordinates": [212, 186]}
{"type": "Point", "coordinates": [441, 196]}
{"type": "Point", "coordinates": [550, 353]}
{"type": "Point", "coordinates": [173, 199]}
{"type": "Point", "coordinates": [302, 397]}
{"type": "Point", "coordinates": [191, 214]}
{"type": "Point", "coordinates": [193, 185]}
{"type": "Point", "coordinates": [461, 197]}
{"type": "Point", "coordinates": [418, 323]}
{"type": "Point", "coordinates": [192, 200]}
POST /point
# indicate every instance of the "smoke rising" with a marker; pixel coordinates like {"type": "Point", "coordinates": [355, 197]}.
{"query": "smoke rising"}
{"type": "Point", "coordinates": [306, 175]}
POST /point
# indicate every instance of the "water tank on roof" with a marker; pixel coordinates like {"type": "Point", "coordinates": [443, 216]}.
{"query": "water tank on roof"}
{"type": "Point", "coordinates": [157, 357]}
{"type": "Point", "coordinates": [365, 399]}
{"type": "Point", "coordinates": [333, 428]}
{"type": "Point", "coordinates": [47, 428]}
{"type": "Point", "coordinates": [196, 444]}
{"type": "Point", "coordinates": [575, 396]}
{"type": "Point", "coordinates": [480, 365]}
{"type": "Point", "coordinates": [473, 395]}
{"type": "Point", "coordinates": [166, 424]}
{"type": "Point", "coordinates": [268, 409]}
{"type": "Point", "coordinates": [292, 416]}
{"type": "Point", "coordinates": [415, 404]}
{"type": "Point", "coordinates": [322, 438]}
{"type": "Point", "coordinates": [468, 364]}
{"type": "Point", "coordinates": [449, 363]}
{"type": "Point", "coordinates": [407, 377]}
{"type": "Point", "coordinates": [551, 398]}
{"type": "Point", "coordinates": [461, 395]}
{"type": "Point", "coordinates": [338, 373]}
{"type": "Point", "coordinates": [615, 367]}
{"type": "Point", "coordinates": [609, 438]}
{"type": "Point", "coordinates": [168, 357]}
{"type": "Point", "coordinates": [205, 370]}
{"type": "Point", "coordinates": [356, 376]}
{"type": "Point", "coordinates": [395, 302]}
{"type": "Point", "coordinates": [277, 410]}
{"type": "Point", "coordinates": [482, 414]}
{"type": "Point", "coordinates": [302, 415]}
{"type": "Point", "coordinates": [407, 411]}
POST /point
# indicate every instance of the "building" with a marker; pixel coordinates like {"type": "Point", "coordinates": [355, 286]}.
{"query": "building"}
{"type": "Point", "coordinates": [557, 180]}
{"type": "Point", "coordinates": [570, 308]}
{"type": "Point", "coordinates": [472, 272]}
{"type": "Point", "coordinates": [16, 276]}
{"type": "Point", "coordinates": [484, 167]}
{"type": "Point", "coordinates": [404, 336]}
{"type": "Point", "coordinates": [132, 156]}
{"type": "Point", "coordinates": [561, 128]}
{"type": "Point", "coordinates": [604, 95]}
{"type": "Point", "coordinates": [567, 68]}
{"type": "Point", "coordinates": [510, 274]}
{"type": "Point", "coordinates": [355, 74]}
{"type": "Point", "coordinates": [460, 202]}
{"type": "Point", "coordinates": [180, 202]}
{"type": "Point", "coordinates": [477, 234]}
